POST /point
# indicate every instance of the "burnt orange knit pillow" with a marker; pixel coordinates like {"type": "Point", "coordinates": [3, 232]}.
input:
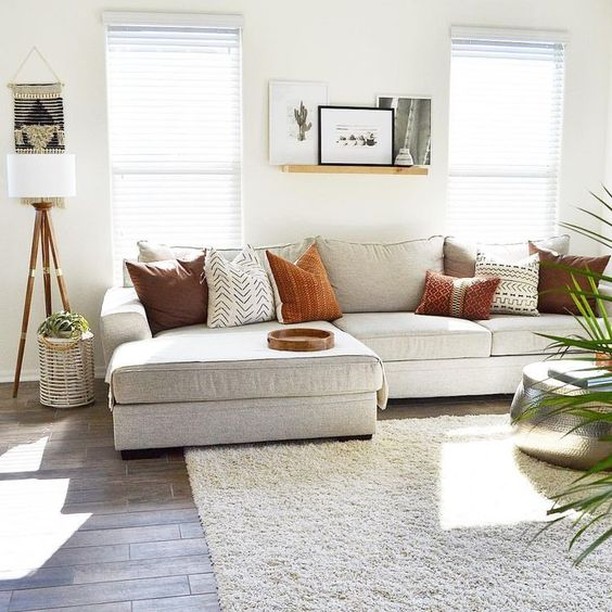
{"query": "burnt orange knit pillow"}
{"type": "Point", "coordinates": [303, 290]}
{"type": "Point", "coordinates": [465, 298]}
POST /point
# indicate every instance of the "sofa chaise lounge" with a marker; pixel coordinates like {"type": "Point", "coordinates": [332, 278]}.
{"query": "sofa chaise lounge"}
{"type": "Point", "coordinates": [198, 386]}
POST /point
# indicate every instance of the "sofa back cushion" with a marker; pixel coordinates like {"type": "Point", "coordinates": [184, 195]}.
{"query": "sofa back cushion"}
{"type": "Point", "coordinates": [380, 277]}
{"type": "Point", "coordinates": [152, 251]}
{"type": "Point", "coordinates": [460, 255]}
{"type": "Point", "coordinates": [156, 251]}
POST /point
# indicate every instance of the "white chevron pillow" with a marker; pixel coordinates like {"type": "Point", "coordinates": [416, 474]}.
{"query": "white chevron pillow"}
{"type": "Point", "coordinates": [517, 292]}
{"type": "Point", "coordinates": [239, 291]}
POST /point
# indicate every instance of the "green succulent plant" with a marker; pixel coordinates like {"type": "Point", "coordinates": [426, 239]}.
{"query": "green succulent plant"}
{"type": "Point", "coordinates": [63, 324]}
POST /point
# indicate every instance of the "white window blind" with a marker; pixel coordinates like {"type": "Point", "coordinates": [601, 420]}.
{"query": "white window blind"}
{"type": "Point", "coordinates": [174, 101]}
{"type": "Point", "coordinates": [506, 102]}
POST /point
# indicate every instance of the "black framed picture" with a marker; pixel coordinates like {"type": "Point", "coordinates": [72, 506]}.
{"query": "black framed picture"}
{"type": "Point", "coordinates": [356, 136]}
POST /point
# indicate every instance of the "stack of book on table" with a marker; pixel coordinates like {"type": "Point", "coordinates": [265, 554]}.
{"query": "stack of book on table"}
{"type": "Point", "coordinates": [587, 376]}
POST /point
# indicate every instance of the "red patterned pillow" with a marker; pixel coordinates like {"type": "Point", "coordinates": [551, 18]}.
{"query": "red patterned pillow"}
{"type": "Point", "coordinates": [465, 298]}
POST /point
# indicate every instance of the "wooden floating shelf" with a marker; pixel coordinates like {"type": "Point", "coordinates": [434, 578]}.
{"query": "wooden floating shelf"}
{"type": "Point", "coordinates": [413, 170]}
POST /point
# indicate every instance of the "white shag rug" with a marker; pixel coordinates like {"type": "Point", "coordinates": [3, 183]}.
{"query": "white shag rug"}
{"type": "Point", "coordinates": [432, 514]}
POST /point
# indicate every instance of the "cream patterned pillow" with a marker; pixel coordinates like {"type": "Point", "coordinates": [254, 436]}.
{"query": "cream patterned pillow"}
{"type": "Point", "coordinates": [239, 291]}
{"type": "Point", "coordinates": [517, 292]}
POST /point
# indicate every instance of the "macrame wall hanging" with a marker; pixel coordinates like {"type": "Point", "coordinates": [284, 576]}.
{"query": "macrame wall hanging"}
{"type": "Point", "coordinates": [39, 116]}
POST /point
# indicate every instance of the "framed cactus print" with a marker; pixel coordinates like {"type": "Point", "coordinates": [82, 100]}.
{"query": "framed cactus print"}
{"type": "Point", "coordinates": [293, 125]}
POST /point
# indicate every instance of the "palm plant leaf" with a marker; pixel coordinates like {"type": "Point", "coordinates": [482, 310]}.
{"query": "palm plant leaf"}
{"type": "Point", "coordinates": [588, 499]}
{"type": "Point", "coordinates": [596, 236]}
{"type": "Point", "coordinates": [588, 233]}
{"type": "Point", "coordinates": [585, 272]}
{"type": "Point", "coordinates": [589, 549]}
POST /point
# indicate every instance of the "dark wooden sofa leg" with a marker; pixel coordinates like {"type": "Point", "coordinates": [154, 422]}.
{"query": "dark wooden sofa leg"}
{"type": "Point", "coordinates": [348, 438]}
{"type": "Point", "coordinates": [142, 453]}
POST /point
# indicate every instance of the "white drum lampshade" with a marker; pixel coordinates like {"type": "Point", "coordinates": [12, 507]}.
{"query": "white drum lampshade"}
{"type": "Point", "coordinates": [41, 175]}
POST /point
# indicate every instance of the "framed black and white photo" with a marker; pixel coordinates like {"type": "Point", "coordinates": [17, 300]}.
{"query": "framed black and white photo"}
{"type": "Point", "coordinates": [355, 136]}
{"type": "Point", "coordinates": [294, 120]}
{"type": "Point", "coordinates": [412, 143]}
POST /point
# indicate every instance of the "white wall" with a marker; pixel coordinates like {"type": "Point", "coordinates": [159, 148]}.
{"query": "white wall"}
{"type": "Point", "coordinates": [608, 168]}
{"type": "Point", "coordinates": [359, 47]}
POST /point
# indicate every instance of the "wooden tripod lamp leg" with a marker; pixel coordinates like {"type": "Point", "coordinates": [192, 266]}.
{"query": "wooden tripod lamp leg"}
{"type": "Point", "coordinates": [44, 239]}
{"type": "Point", "coordinates": [28, 299]}
{"type": "Point", "coordinates": [61, 283]}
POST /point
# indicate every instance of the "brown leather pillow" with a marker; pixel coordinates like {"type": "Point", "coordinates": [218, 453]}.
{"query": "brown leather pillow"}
{"type": "Point", "coordinates": [303, 289]}
{"type": "Point", "coordinates": [173, 292]}
{"type": "Point", "coordinates": [555, 279]}
{"type": "Point", "coordinates": [464, 298]}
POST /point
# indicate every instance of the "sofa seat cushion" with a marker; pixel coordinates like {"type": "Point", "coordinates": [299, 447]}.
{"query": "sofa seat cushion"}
{"type": "Point", "coordinates": [198, 364]}
{"type": "Point", "coordinates": [517, 335]}
{"type": "Point", "coordinates": [396, 336]}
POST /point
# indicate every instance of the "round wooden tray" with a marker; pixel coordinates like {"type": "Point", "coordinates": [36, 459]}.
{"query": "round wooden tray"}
{"type": "Point", "coordinates": [300, 339]}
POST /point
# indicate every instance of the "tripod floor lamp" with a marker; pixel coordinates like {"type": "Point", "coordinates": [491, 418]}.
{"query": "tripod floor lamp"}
{"type": "Point", "coordinates": [40, 177]}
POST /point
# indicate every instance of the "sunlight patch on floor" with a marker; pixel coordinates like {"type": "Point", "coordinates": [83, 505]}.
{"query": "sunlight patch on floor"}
{"type": "Point", "coordinates": [23, 457]}
{"type": "Point", "coordinates": [503, 430]}
{"type": "Point", "coordinates": [480, 483]}
{"type": "Point", "coordinates": [32, 526]}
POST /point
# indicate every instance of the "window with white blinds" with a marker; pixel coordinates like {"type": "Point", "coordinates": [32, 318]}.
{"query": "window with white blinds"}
{"type": "Point", "coordinates": [506, 103]}
{"type": "Point", "coordinates": [174, 108]}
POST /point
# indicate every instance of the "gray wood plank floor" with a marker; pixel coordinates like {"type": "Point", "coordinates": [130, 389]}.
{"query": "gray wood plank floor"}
{"type": "Point", "coordinates": [83, 530]}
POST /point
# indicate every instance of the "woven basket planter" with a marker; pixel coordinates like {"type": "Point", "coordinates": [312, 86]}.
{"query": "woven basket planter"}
{"type": "Point", "coordinates": [66, 371]}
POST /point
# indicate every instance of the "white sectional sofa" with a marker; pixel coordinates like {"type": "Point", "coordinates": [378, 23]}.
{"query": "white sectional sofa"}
{"type": "Point", "coordinates": [200, 386]}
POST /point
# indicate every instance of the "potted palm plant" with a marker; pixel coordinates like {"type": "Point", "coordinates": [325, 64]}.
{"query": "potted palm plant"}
{"type": "Point", "coordinates": [65, 350]}
{"type": "Point", "coordinates": [588, 500]}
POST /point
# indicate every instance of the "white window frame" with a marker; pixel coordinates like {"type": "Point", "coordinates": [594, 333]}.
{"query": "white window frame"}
{"type": "Point", "coordinates": [133, 218]}
{"type": "Point", "coordinates": [483, 195]}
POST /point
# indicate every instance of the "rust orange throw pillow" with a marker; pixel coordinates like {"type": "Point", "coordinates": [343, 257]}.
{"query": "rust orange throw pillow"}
{"type": "Point", "coordinates": [464, 298]}
{"type": "Point", "coordinates": [303, 290]}
{"type": "Point", "coordinates": [172, 292]}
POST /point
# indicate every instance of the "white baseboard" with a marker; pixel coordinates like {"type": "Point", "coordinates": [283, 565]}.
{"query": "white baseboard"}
{"type": "Point", "coordinates": [6, 376]}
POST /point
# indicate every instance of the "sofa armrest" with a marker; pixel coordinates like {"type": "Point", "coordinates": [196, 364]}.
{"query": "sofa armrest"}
{"type": "Point", "coordinates": [122, 319]}
{"type": "Point", "coordinates": [605, 289]}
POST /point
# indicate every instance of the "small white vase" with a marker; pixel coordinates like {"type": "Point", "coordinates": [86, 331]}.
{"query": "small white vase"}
{"type": "Point", "coordinates": [404, 158]}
